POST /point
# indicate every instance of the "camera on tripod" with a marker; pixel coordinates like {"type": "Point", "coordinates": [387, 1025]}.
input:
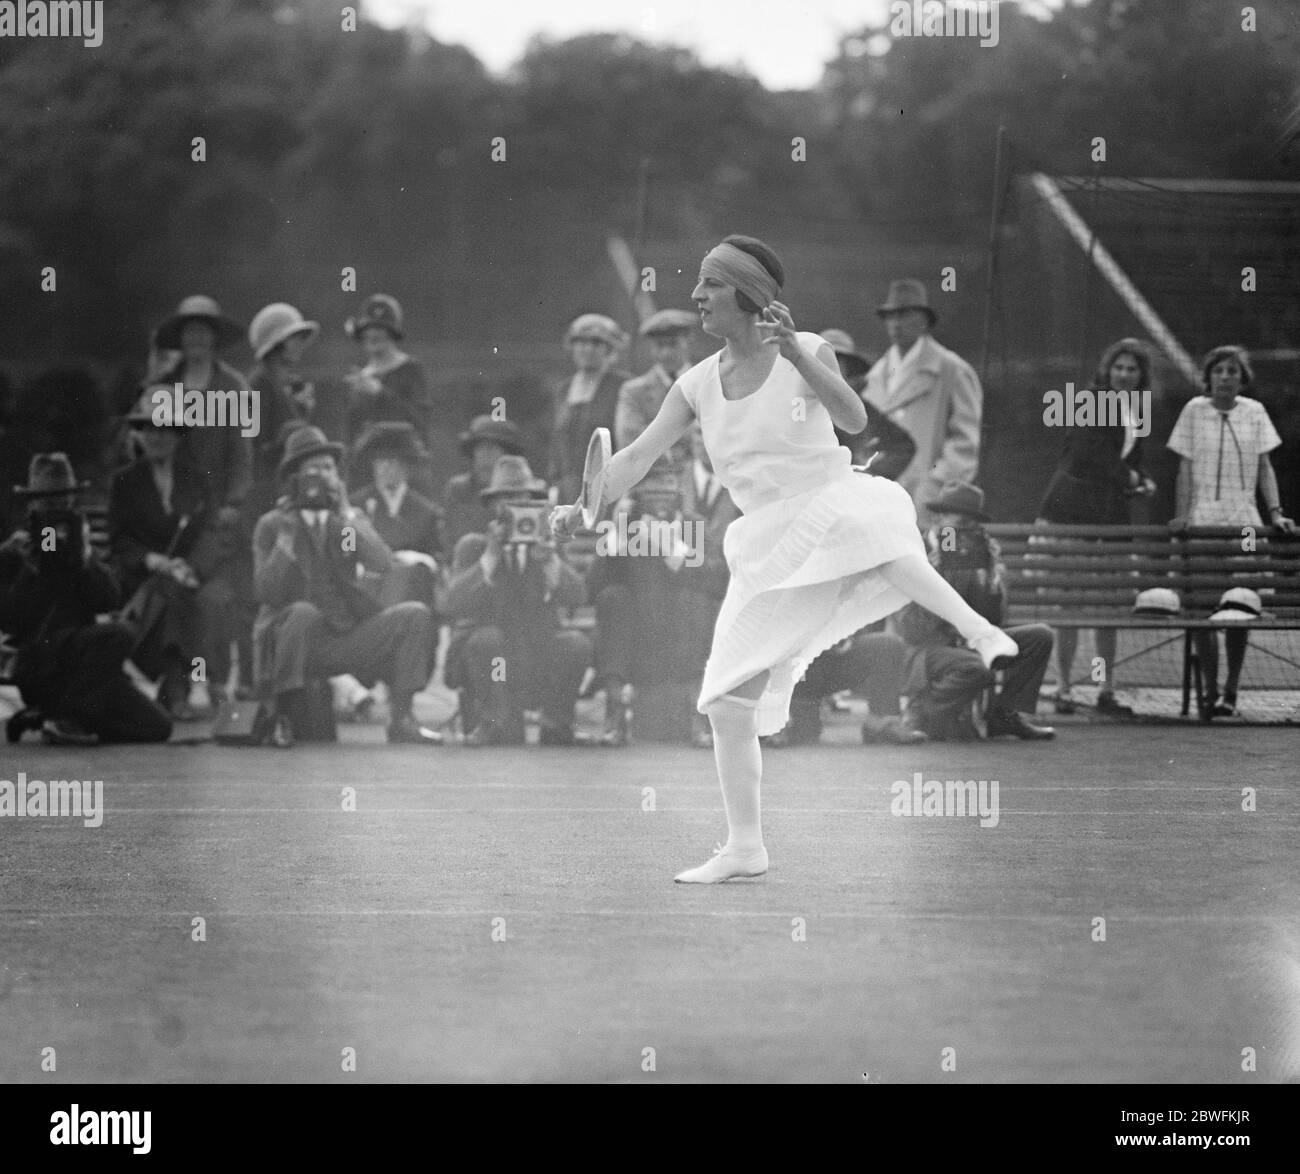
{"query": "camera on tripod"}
{"type": "Point", "coordinates": [58, 537]}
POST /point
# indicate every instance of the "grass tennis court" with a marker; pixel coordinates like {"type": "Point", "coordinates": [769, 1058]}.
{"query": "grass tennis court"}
{"type": "Point", "coordinates": [373, 929]}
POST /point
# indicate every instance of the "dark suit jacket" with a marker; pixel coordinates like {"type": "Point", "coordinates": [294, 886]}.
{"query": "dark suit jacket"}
{"type": "Point", "coordinates": [417, 526]}
{"type": "Point", "coordinates": [571, 430]}
{"type": "Point", "coordinates": [323, 574]}
{"type": "Point", "coordinates": [138, 524]}
{"type": "Point", "coordinates": [463, 510]}
{"type": "Point", "coordinates": [1090, 480]}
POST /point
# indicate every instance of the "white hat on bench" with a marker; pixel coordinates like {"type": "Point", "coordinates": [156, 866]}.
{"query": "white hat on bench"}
{"type": "Point", "coordinates": [1157, 601]}
{"type": "Point", "coordinates": [1239, 604]}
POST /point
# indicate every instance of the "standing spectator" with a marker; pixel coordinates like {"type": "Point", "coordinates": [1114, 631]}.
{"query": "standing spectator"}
{"type": "Point", "coordinates": [931, 393]}
{"type": "Point", "coordinates": [224, 457]}
{"type": "Point", "coordinates": [279, 336]}
{"type": "Point", "coordinates": [1099, 472]}
{"type": "Point", "coordinates": [391, 385]}
{"type": "Point", "coordinates": [485, 442]}
{"type": "Point", "coordinates": [669, 334]}
{"type": "Point", "coordinates": [510, 652]}
{"type": "Point", "coordinates": [882, 446]}
{"type": "Point", "coordinates": [1224, 439]}
{"type": "Point", "coordinates": [587, 400]}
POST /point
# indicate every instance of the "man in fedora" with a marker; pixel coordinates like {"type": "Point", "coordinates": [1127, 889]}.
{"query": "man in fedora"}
{"type": "Point", "coordinates": [509, 649]}
{"type": "Point", "coordinates": [53, 585]}
{"type": "Point", "coordinates": [931, 393]}
{"type": "Point", "coordinates": [484, 442]}
{"type": "Point", "coordinates": [316, 620]}
{"type": "Point", "coordinates": [945, 677]}
{"type": "Point", "coordinates": [668, 334]}
{"type": "Point", "coordinates": [587, 400]}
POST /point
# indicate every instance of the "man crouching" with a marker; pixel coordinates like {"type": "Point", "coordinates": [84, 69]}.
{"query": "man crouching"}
{"type": "Point", "coordinates": [316, 619]}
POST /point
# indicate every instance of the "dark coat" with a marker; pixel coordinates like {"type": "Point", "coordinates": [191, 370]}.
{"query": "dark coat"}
{"type": "Point", "coordinates": [1091, 481]}
{"type": "Point", "coordinates": [221, 454]}
{"type": "Point", "coordinates": [138, 524]}
{"type": "Point", "coordinates": [405, 395]}
{"type": "Point", "coordinates": [572, 426]}
{"type": "Point", "coordinates": [417, 526]}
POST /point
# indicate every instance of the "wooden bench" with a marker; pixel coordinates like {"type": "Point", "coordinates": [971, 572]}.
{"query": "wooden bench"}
{"type": "Point", "coordinates": [1089, 577]}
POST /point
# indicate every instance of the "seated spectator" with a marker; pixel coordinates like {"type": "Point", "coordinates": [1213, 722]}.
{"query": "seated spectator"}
{"type": "Point", "coordinates": [406, 520]}
{"type": "Point", "coordinates": [485, 442]}
{"type": "Point", "coordinates": [53, 585]}
{"type": "Point", "coordinates": [316, 620]}
{"type": "Point", "coordinates": [391, 385]}
{"type": "Point", "coordinates": [871, 663]}
{"type": "Point", "coordinates": [509, 650]}
{"type": "Point", "coordinates": [944, 676]}
{"type": "Point", "coordinates": [165, 550]}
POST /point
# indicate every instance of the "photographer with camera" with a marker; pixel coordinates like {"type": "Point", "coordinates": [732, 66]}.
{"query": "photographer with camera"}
{"type": "Point", "coordinates": [316, 619]}
{"type": "Point", "coordinates": [509, 651]}
{"type": "Point", "coordinates": [52, 586]}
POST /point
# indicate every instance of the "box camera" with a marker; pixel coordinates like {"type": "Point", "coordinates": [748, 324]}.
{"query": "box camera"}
{"type": "Point", "coordinates": [523, 522]}
{"type": "Point", "coordinates": [315, 491]}
{"type": "Point", "coordinates": [57, 537]}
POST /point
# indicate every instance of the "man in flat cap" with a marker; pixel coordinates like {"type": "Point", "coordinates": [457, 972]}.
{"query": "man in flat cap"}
{"type": "Point", "coordinates": [668, 334]}
{"type": "Point", "coordinates": [930, 392]}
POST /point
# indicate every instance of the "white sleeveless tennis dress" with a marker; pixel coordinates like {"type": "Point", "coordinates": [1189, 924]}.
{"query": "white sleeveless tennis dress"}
{"type": "Point", "coordinates": [802, 556]}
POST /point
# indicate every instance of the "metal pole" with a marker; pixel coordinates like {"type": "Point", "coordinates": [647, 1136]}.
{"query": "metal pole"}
{"type": "Point", "coordinates": [991, 277]}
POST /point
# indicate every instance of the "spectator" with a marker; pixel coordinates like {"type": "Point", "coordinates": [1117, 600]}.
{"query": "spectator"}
{"type": "Point", "coordinates": [882, 446]}
{"type": "Point", "coordinates": [224, 457]}
{"type": "Point", "coordinates": [669, 334]}
{"type": "Point", "coordinates": [587, 400]}
{"type": "Point", "coordinates": [164, 550]}
{"type": "Point", "coordinates": [931, 393]}
{"type": "Point", "coordinates": [1224, 439]}
{"type": "Point", "coordinates": [1099, 472]}
{"type": "Point", "coordinates": [465, 510]}
{"type": "Point", "coordinates": [509, 651]}
{"type": "Point", "coordinates": [316, 620]}
{"type": "Point", "coordinates": [945, 678]}
{"type": "Point", "coordinates": [392, 385]}
{"type": "Point", "coordinates": [69, 667]}
{"type": "Point", "coordinates": [279, 336]}
{"type": "Point", "coordinates": [407, 521]}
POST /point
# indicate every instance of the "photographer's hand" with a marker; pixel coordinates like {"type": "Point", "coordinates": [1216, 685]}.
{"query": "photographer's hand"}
{"type": "Point", "coordinates": [284, 543]}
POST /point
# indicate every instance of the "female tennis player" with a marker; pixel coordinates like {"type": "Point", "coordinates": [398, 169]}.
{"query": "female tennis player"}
{"type": "Point", "coordinates": [821, 551]}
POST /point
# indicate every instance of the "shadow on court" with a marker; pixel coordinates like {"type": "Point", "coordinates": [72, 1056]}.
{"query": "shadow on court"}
{"type": "Point", "coordinates": [876, 943]}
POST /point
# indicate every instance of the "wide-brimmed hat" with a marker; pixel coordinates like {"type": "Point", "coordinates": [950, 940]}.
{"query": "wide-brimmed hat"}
{"type": "Point", "coordinates": [1238, 605]}
{"type": "Point", "coordinates": [599, 327]}
{"type": "Point", "coordinates": [50, 474]}
{"type": "Point", "coordinates": [512, 476]}
{"type": "Point", "coordinates": [396, 438]}
{"type": "Point", "coordinates": [377, 310]}
{"type": "Point", "coordinates": [908, 294]}
{"type": "Point", "coordinates": [960, 497]}
{"type": "Point", "coordinates": [276, 323]}
{"type": "Point", "coordinates": [668, 322]}
{"type": "Point", "coordinates": [503, 432]}
{"type": "Point", "coordinates": [196, 308]}
{"type": "Point", "coordinates": [304, 442]}
{"type": "Point", "coordinates": [1157, 601]}
{"type": "Point", "coordinates": [845, 350]}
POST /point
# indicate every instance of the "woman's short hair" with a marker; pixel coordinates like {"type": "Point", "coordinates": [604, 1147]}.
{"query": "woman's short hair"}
{"type": "Point", "coordinates": [1218, 354]}
{"type": "Point", "coordinates": [765, 256]}
{"type": "Point", "coordinates": [1126, 346]}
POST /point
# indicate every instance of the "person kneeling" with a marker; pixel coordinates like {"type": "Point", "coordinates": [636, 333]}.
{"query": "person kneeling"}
{"type": "Point", "coordinates": [509, 651]}
{"type": "Point", "coordinates": [316, 619]}
{"type": "Point", "coordinates": [944, 677]}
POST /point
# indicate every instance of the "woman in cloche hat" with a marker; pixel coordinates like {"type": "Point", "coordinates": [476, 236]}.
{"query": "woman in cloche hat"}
{"type": "Point", "coordinates": [391, 385]}
{"type": "Point", "coordinates": [821, 551]}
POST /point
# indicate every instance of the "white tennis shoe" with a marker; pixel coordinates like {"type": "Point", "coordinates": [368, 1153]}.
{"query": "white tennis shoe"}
{"type": "Point", "coordinates": [726, 864]}
{"type": "Point", "coordinates": [993, 646]}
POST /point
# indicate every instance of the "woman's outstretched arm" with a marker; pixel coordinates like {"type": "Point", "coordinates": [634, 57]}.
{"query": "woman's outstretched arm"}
{"type": "Point", "coordinates": [629, 465]}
